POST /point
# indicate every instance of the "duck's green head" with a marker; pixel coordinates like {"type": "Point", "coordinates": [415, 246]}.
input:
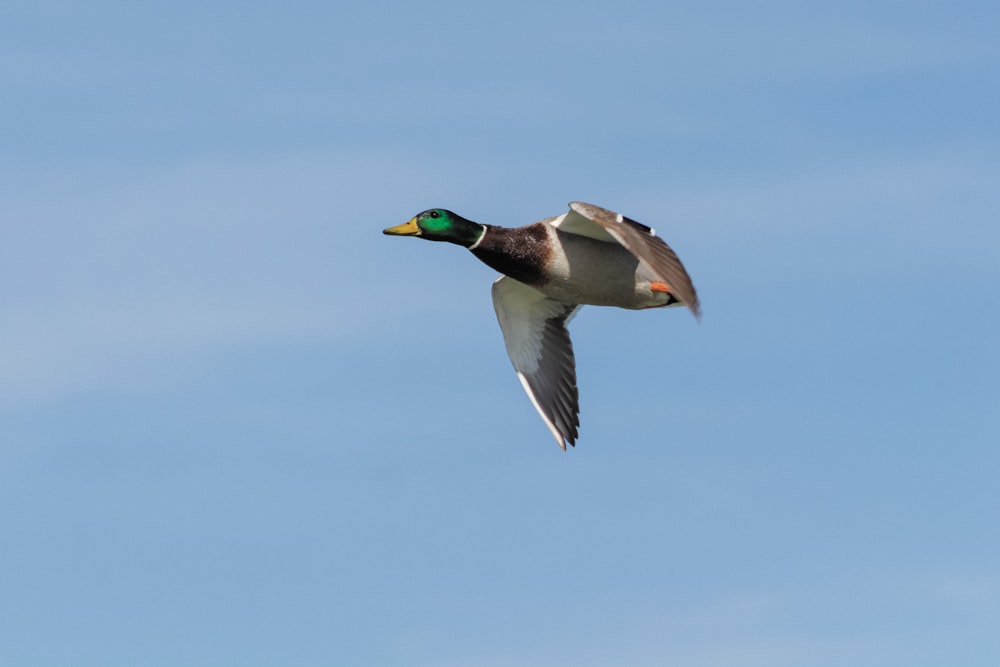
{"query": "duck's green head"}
{"type": "Point", "coordinates": [437, 224]}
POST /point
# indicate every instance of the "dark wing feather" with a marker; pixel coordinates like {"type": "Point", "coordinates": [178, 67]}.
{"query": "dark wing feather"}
{"type": "Point", "coordinates": [642, 242]}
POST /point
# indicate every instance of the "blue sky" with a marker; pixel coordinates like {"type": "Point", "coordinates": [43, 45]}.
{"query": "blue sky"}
{"type": "Point", "coordinates": [240, 426]}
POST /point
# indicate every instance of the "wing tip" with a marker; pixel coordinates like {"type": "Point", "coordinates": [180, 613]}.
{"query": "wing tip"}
{"type": "Point", "coordinates": [560, 437]}
{"type": "Point", "coordinates": [695, 309]}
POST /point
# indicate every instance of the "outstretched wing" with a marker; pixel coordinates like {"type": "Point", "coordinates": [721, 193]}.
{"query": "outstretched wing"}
{"type": "Point", "coordinates": [534, 331]}
{"type": "Point", "coordinates": [604, 225]}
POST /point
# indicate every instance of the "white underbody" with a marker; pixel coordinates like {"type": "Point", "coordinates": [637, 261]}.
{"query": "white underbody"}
{"type": "Point", "coordinates": [593, 272]}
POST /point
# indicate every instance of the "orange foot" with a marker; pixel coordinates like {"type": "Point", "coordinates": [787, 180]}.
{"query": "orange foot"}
{"type": "Point", "coordinates": [657, 286]}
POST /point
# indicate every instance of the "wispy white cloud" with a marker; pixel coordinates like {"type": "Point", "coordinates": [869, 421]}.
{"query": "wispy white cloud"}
{"type": "Point", "coordinates": [105, 272]}
{"type": "Point", "coordinates": [53, 350]}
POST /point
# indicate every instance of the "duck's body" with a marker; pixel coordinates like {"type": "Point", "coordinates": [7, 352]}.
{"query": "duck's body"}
{"type": "Point", "coordinates": [569, 267]}
{"type": "Point", "coordinates": [587, 256]}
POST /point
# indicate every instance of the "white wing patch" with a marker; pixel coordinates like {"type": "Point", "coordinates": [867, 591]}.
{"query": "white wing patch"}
{"type": "Point", "coordinates": [538, 344]}
{"type": "Point", "coordinates": [574, 223]}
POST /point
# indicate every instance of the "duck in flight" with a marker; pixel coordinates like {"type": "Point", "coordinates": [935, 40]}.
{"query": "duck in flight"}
{"type": "Point", "coordinates": [586, 256]}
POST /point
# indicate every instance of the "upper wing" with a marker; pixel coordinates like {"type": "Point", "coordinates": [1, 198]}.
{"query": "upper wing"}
{"type": "Point", "coordinates": [640, 240]}
{"type": "Point", "coordinates": [534, 331]}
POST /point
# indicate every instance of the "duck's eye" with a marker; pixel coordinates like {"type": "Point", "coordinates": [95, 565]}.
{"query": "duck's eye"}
{"type": "Point", "coordinates": [435, 215]}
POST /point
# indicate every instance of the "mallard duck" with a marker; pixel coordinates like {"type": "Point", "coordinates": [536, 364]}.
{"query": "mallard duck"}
{"type": "Point", "coordinates": [586, 256]}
